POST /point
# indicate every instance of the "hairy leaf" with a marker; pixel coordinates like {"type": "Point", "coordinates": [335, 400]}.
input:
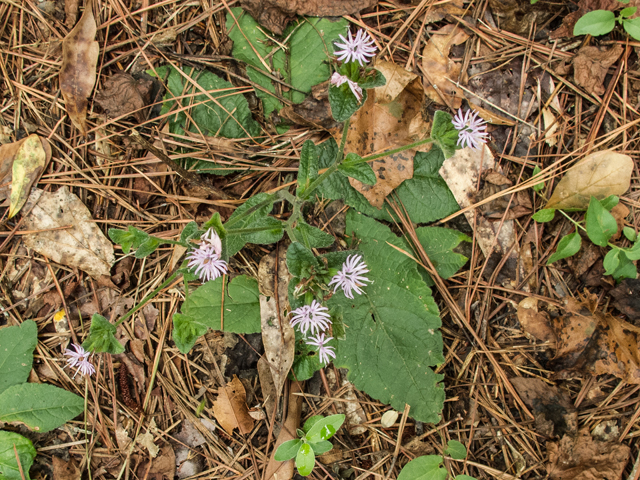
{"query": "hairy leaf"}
{"type": "Point", "coordinates": [101, 337]}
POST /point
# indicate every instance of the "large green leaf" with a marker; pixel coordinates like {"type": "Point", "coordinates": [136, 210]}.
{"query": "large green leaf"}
{"type": "Point", "coordinates": [305, 63]}
{"type": "Point", "coordinates": [9, 468]}
{"type": "Point", "coordinates": [16, 353]}
{"type": "Point", "coordinates": [427, 467]}
{"type": "Point", "coordinates": [250, 214]}
{"type": "Point", "coordinates": [39, 406]}
{"type": "Point", "coordinates": [392, 338]}
{"type": "Point", "coordinates": [426, 197]}
{"type": "Point", "coordinates": [202, 309]}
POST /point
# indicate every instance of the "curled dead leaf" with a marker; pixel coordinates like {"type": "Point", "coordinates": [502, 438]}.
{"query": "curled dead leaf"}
{"type": "Point", "coordinates": [591, 65]}
{"type": "Point", "coordinates": [230, 409]}
{"type": "Point", "coordinates": [78, 73]}
{"type": "Point", "coordinates": [123, 95]}
{"type": "Point", "coordinates": [534, 322]}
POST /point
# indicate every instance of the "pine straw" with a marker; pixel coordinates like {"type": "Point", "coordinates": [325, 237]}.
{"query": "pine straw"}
{"type": "Point", "coordinates": [484, 345]}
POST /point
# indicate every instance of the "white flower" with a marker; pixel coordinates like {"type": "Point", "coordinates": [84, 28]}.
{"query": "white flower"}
{"type": "Point", "coordinates": [206, 258]}
{"type": "Point", "coordinates": [212, 238]}
{"type": "Point", "coordinates": [79, 360]}
{"type": "Point", "coordinates": [337, 80]}
{"type": "Point", "coordinates": [351, 276]}
{"type": "Point", "coordinates": [471, 129]}
{"type": "Point", "coordinates": [312, 317]}
{"type": "Point", "coordinates": [358, 49]}
{"type": "Point", "coordinates": [324, 351]}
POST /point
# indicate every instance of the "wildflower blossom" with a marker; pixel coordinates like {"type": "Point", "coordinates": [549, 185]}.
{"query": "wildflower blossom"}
{"type": "Point", "coordinates": [351, 276]}
{"type": "Point", "coordinates": [337, 80]}
{"type": "Point", "coordinates": [324, 351]}
{"type": "Point", "coordinates": [312, 317]}
{"type": "Point", "coordinates": [470, 129]}
{"type": "Point", "coordinates": [79, 360]}
{"type": "Point", "coordinates": [206, 258]}
{"type": "Point", "coordinates": [359, 49]}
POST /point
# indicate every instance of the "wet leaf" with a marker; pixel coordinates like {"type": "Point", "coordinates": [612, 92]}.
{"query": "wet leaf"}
{"type": "Point", "coordinates": [83, 245]}
{"type": "Point", "coordinates": [598, 175]}
{"type": "Point", "coordinates": [80, 54]}
{"type": "Point", "coordinates": [230, 409]}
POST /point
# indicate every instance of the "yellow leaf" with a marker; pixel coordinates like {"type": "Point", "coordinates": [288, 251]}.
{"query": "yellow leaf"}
{"type": "Point", "coordinates": [29, 161]}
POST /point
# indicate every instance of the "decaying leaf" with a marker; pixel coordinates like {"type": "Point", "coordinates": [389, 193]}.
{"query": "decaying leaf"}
{"type": "Point", "coordinates": [554, 413]}
{"type": "Point", "coordinates": [582, 458]}
{"type": "Point", "coordinates": [78, 73]}
{"type": "Point", "coordinates": [123, 95]}
{"type": "Point", "coordinates": [163, 466]}
{"type": "Point", "coordinates": [591, 65]}
{"type": "Point", "coordinates": [65, 470]}
{"type": "Point", "coordinates": [276, 14]}
{"type": "Point", "coordinates": [314, 111]}
{"type": "Point", "coordinates": [439, 70]}
{"type": "Point", "coordinates": [506, 207]}
{"type": "Point", "coordinates": [598, 175]}
{"type": "Point", "coordinates": [390, 118]}
{"type": "Point", "coordinates": [520, 17]}
{"type": "Point", "coordinates": [595, 343]}
{"type": "Point", "coordinates": [627, 298]}
{"type": "Point", "coordinates": [230, 409]}
{"type": "Point", "coordinates": [81, 245]}
{"type": "Point", "coordinates": [146, 440]}
{"type": "Point", "coordinates": [534, 322]}
{"type": "Point", "coordinates": [21, 164]}
{"type": "Point", "coordinates": [437, 12]}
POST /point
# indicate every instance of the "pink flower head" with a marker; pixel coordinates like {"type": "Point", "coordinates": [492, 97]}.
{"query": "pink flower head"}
{"type": "Point", "coordinates": [79, 360]}
{"type": "Point", "coordinates": [351, 276]}
{"type": "Point", "coordinates": [211, 237]}
{"type": "Point", "coordinates": [337, 80]}
{"type": "Point", "coordinates": [324, 351]}
{"type": "Point", "coordinates": [206, 260]}
{"type": "Point", "coordinates": [358, 49]}
{"type": "Point", "coordinates": [314, 317]}
{"type": "Point", "coordinates": [471, 129]}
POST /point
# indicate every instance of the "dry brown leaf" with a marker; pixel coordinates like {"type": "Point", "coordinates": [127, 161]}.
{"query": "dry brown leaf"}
{"type": "Point", "coordinates": [437, 12]}
{"type": "Point", "coordinates": [386, 122]}
{"type": "Point", "coordinates": [83, 245]}
{"type": "Point", "coordinates": [438, 69]}
{"type": "Point", "coordinates": [123, 95]}
{"type": "Point", "coordinates": [230, 409]}
{"type": "Point", "coordinates": [519, 16]}
{"type": "Point", "coordinates": [163, 467]}
{"type": "Point", "coordinates": [591, 65]}
{"type": "Point", "coordinates": [80, 54]}
{"type": "Point", "coordinates": [627, 298]}
{"type": "Point", "coordinates": [534, 322]}
{"type": "Point", "coordinates": [70, 12]}
{"type": "Point", "coordinates": [276, 14]}
{"type": "Point", "coordinates": [581, 458]}
{"type": "Point", "coordinates": [620, 213]}
{"type": "Point", "coordinates": [314, 111]}
{"type": "Point", "coordinates": [507, 207]}
{"type": "Point", "coordinates": [598, 175]}
{"type": "Point", "coordinates": [65, 470]}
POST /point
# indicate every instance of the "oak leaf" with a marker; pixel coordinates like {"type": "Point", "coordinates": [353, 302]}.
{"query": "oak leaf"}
{"type": "Point", "coordinates": [230, 409]}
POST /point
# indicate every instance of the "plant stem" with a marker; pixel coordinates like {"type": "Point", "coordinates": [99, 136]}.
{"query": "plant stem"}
{"type": "Point", "coordinates": [147, 298]}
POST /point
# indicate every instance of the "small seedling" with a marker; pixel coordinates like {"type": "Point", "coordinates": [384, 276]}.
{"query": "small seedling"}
{"type": "Point", "coordinates": [601, 22]}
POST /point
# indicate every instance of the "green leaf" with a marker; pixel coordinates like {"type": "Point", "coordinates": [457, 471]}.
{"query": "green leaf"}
{"type": "Point", "coordinates": [444, 134]}
{"type": "Point", "coordinates": [598, 22]}
{"type": "Point", "coordinates": [438, 243]}
{"type": "Point", "coordinates": [186, 331]}
{"type": "Point", "coordinates": [630, 234]}
{"type": "Point", "coordinates": [308, 169]}
{"type": "Point", "coordinates": [464, 477]}
{"type": "Point", "coordinates": [248, 215]}
{"type": "Point", "coordinates": [273, 229]}
{"type": "Point", "coordinates": [611, 261]}
{"type": "Point", "coordinates": [189, 232]}
{"type": "Point", "coordinates": [627, 12]}
{"type": "Point", "coordinates": [325, 428]}
{"type": "Point", "coordinates": [600, 224]}
{"type": "Point", "coordinates": [626, 269]}
{"type": "Point", "coordinates": [300, 260]}
{"type": "Point", "coordinates": [632, 27]}
{"type": "Point", "coordinates": [373, 80]}
{"type": "Point", "coordinates": [9, 468]}
{"type": "Point", "coordinates": [39, 406]}
{"type": "Point", "coordinates": [633, 253]}
{"type": "Point", "coordinates": [240, 304]}
{"type": "Point", "coordinates": [101, 337]}
{"type": "Point", "coordinates": [305, 460]}
{"type": "Point", "coordinates": [321, 447]}
{"type": "Point", "coordinates": [311, 237]}
{"type": "Point", "coordinates": [215, 222]}
{"type": "Point", "coordinates": [360, 171]}
{"type": "Point", "coordinates": [456, 450]}
{"type": "Point", "coordinates": [305, 361]}
{"type": "Point", "coordinates": [303, 64]}
{"type": "Point", "coordinates": [287, 450]}
{"type": "Point", "coordinates": [609, 202]}
{"type": "Point", "coordinates": [392, 330]}
{"type": "Point", "coordinates": [343, 102]}
{"type": "Point", "coordinates": [16, 353]}
{"type": "Point", "coordinates": [147, 248]}
{"type": "Point", "coordinates": [128, 238]}
{"type": "Point", "coordinates": [311, 421]}
{"type": "Point", "coordinates": [544, 215]}
{"type": "Point", "coordinates": [567, 246]}
{"type": "Point", "coordinates": [538, 186]}
{"type": "Point", "coordinates": [427, 467]}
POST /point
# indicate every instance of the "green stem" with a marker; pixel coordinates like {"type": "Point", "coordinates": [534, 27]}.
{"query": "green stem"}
{"type": "Point", "coordinates": [615, 247]}
{"type": "Point", "coordinates": [147, 298]}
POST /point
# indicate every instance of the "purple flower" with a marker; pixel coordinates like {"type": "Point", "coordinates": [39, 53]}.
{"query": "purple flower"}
{"type": "Point", "coordinates": [324, 351]}
{"type": "Point", "coordinates": [358, 49]}
{"type": "Point", "coordinates": [351, 276]}
{"type": "Point", "coordinates": [337, 80]}
{"type": "Point", "coordinates": [312, 317]}
{"type": "Point", "coordinates": [470, 129]}
{"type": "Point", "coordinates": [206, 258]}
{"type": "Point", "coordinates": [79, 360]}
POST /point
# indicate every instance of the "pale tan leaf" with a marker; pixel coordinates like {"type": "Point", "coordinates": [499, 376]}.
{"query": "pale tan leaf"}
{"type": "Point", "coordinates": [389, 418]}
{"type": "Point", "coordinates": [81, 245]}
{"type": "Point", "coordinates": [284, 470]}
{"type": "Point", "coordinates": [598, 175]}
{"type": "Point", "coordinates": [28, 164]}
{"type": "Point", "coordinates": [534, 322]}
{"type": "Point", "coordinates": [80, 54]}
{"type": "Point", "coordinates": [230, 409]}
